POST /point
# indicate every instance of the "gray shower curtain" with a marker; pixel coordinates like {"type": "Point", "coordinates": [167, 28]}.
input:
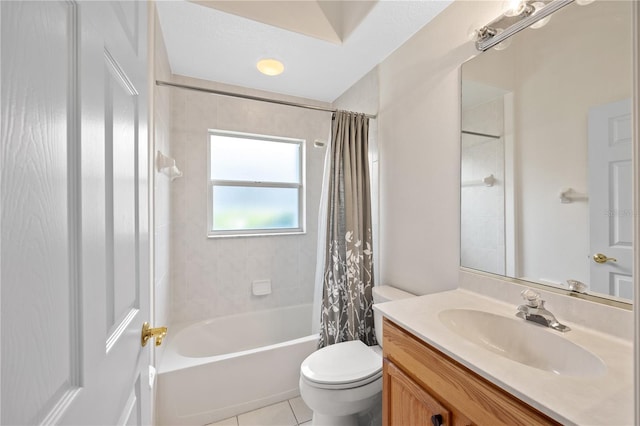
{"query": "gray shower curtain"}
{"type": "Point", "coordinates": [346, 312]}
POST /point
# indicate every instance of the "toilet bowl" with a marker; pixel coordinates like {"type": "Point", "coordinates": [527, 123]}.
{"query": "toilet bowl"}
{"type": "Point", "coordinates": [342, 383]}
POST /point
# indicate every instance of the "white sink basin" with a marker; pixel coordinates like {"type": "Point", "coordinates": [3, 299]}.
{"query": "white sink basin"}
{"type": "Point", "coordinates": [523, 342]}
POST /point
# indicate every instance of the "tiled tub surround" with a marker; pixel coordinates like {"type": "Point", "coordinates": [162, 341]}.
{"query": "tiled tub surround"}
{"type": "Point", "coordinates": [599, 400]}
{"type": "Point", "coordinates": [482, 210]}
{"type": "Point", "coordinates": [162, 191]}
{"type": "Point", "coordinates": [211, 277]}
{"type": "Point", "coordinates": [218, 368]}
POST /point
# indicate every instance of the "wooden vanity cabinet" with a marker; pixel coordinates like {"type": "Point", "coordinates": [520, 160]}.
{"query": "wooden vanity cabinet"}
{"type": "Point", "coordinates": [422, 386]}
{"type": "Point", "coordinates": [408, 402]}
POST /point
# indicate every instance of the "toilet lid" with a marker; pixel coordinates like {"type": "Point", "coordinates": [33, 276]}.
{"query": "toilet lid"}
{"type": "Point", "coordinates": [346, 362]}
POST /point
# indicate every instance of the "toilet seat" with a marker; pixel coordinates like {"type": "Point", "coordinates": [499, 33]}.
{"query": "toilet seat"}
{"type": "Point", "coordinates": [342, 366]}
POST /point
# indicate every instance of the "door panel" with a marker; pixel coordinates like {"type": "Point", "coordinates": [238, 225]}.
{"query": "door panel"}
{"type": "Point", "coordinates": [38, 250]}
{"type": "Point", "coordinates": [610, 198]}
{"type": "Point", "coordinates": [74, 241]}
{"type": "Point", "coordinates": [128, 16]}
{"type": "Point", "coordinates": [622, 285]}
{"type": "Point", "coordinates": [621, 177]}
{"type": "Point", "coordinates": [121, 143]}
{"type": "Point", "coordinates": [131, 415]}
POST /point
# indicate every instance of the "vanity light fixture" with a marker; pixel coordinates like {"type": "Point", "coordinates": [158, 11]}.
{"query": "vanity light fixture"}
{"type": "Point", "coordinates": [270, 67]}
{"type": "Point", "coordinates": [504, 43]}
{"type": "Point", "coordinates": [518, 15]}
{"type": "Point", "coordinates": [538, 6]}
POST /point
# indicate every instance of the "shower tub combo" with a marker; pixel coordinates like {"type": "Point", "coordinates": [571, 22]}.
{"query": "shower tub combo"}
{"type": "Point", "coordinates": [219, 368]}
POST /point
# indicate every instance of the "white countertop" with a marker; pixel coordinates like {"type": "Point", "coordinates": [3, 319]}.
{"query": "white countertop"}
{"type": "Point", "coordinates": [602, 400]}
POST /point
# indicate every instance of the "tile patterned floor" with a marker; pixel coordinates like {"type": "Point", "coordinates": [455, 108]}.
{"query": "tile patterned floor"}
{"type": "Point", "coordinates": [293, 412]}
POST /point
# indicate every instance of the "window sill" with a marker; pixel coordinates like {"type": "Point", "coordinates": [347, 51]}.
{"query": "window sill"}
{"type": "Point", "coordinates": [256, 234]}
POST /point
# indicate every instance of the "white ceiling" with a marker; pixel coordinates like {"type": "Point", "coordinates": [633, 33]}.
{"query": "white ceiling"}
{"type": "Point", "coordinates": [327, 46]}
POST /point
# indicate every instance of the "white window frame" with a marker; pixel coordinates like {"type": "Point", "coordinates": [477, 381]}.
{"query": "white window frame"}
{"type": "Point", "coordinates": [301, 229]}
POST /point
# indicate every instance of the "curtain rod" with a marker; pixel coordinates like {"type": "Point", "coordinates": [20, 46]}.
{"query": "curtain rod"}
{"type": "Point", "coordinates": [250, 97]}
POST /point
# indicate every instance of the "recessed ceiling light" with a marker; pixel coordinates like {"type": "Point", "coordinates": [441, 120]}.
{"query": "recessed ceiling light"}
{"type": "Point", "coordinates": [270, 67]}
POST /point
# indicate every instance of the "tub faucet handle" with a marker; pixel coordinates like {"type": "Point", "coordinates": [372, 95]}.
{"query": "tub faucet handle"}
{"type": "Point", "coordinates": [147, 333]}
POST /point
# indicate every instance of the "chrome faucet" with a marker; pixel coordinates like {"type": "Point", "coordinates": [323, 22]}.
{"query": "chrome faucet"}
{"type": "Point", "coordinates": [535, 311]}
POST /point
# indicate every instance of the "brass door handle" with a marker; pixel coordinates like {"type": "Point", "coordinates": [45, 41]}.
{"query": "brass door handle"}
{"type": "Point", "coordinates": [601, 258]}
{"type": "Point", "coordinates": [147, 333]}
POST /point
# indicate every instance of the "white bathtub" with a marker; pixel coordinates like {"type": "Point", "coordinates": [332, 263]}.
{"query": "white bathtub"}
{"type": "Point", "coordinates": [223, 367]}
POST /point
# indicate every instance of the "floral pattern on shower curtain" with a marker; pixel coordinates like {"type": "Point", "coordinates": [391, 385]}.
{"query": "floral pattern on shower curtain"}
{"type": "Point", "coordinates": [347, 301]}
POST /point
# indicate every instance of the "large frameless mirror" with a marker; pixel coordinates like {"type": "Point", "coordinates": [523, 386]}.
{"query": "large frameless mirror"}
{"type": "Point", "coordinates": [546, 171]}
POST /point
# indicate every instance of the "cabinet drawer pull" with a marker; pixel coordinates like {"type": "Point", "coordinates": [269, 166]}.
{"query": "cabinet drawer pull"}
{"type": "Point", "coordinates": [436, 420]}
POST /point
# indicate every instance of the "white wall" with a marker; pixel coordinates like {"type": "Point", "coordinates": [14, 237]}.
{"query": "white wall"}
{"type": "Point", "coordinates": [419, 135]}
{"type": "Point", "coordinates": [212, 277]}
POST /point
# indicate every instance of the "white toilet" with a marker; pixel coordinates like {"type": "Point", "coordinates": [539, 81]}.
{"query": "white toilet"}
{"type": "Point", "coordinates": [342, 383]}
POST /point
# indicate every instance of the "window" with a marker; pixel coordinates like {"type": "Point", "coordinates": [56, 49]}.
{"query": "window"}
{"type": "Point", "coordinates": [256, 184]}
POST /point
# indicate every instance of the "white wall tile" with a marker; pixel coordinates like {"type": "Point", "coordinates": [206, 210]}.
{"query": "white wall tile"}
{"type": "Point", "coordinates": [162, 192]}
{"type": "Point", "coordinates": [212, 276]}
{"type": "Point", "coordinates": [482, 208]}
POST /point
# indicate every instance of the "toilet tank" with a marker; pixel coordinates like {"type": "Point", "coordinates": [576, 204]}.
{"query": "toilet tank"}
{"type": "Point", "coordinates": [381, 294]}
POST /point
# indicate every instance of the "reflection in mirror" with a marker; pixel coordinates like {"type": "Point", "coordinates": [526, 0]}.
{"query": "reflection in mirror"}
{"type": "Point", "coordinates": [546, 153]}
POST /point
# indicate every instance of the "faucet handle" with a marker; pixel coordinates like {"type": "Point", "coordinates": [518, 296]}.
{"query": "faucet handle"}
{"type": "Point", "coordinates": [577, 286]}
{"type": "Point", "coordinates": [532, 298]}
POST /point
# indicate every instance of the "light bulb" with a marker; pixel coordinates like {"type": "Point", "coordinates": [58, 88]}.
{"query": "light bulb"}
{"type": "Point", "coordinates": [584, 2]}
{"type": "Point", "coordinates": [542, 22]}
{"type": "Point", "coordinates": [513, 7]}
{"type": "Point", "coordinates": [472, 31]}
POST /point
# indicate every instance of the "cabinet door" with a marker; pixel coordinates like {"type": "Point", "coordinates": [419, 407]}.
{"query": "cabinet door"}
{"type": "Point", "coordinates": [406, 403]}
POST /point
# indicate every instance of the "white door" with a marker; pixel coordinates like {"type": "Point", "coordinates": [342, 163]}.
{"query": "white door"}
{"type": "Point", "coordinates": [610, 199]}
{"type": "Point", "coordinates": [74, 230]}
